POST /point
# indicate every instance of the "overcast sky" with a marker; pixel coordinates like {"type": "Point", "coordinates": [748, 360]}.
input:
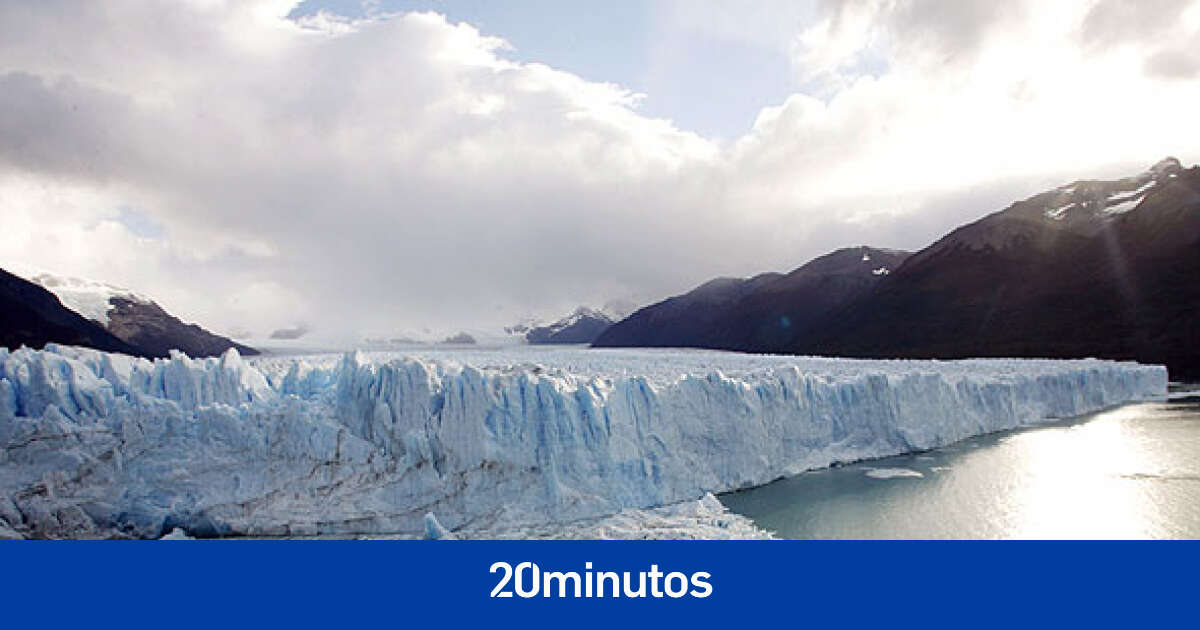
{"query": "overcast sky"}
{"type": "Point", "coordinates": [389, 166]}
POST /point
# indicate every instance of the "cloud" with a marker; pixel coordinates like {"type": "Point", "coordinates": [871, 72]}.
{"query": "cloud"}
{"type": "Point", "coordinates": [1116, 22]}
{"type": "Point", "coordinates": [1180, 62]}
{"type": "Point", "coordinates": [1169, 30]}
{"type": "Point", "coordinates": [400, 171]}
{"type": "Point", "coordinates": [854, 37]}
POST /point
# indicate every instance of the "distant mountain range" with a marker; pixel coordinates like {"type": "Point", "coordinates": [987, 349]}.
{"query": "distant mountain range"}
{"type": "Point", "coordinates": [582, 326]}
{"type": "Point", "coordinates": [108, 314]}
{"type": "Point", "coordinates": [288, 334]}
{"type": "Point", "coordinates": [1108, 269]}
{"type": "Point", "coordinates": [1095, 268]}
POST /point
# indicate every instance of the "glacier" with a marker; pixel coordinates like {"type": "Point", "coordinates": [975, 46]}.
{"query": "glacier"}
{"type": "Point", "coordinates": [103, 445]}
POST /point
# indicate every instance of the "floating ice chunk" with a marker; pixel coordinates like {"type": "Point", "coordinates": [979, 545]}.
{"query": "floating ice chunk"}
{"type": "Point", "coordinates": [892, 473]}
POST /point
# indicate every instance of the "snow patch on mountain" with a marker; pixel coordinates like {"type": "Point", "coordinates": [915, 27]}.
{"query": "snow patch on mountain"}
{"type": "Point", "coordinates": [584, 325]}
{"type": "Point", "coordinates": [1121, 207]}
{"type": "Point", "coordinates": [1058, 213]}
{"type": "Point", "coordinates": [575, 317]}
{"type": "Point", "coordinates": [1112, 198]}
{"type": "Point", "coordinates": [98, 445]}
{"type": "Point", "coordinates": [89, 298]}
{"type": "Point", "coordinates": [588, 322]}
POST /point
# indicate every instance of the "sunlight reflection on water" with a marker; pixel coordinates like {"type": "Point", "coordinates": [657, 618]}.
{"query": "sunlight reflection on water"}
{"type": "Point", "coordinates": [1132, 472]}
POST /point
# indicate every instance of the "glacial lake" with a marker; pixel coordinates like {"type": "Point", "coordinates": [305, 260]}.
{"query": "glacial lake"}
{"type": "Point", "coordinates": [1129, 472]}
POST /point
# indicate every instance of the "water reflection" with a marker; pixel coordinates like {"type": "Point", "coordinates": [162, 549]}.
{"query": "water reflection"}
{"type": "Point", "coordinates": [1132, 472]}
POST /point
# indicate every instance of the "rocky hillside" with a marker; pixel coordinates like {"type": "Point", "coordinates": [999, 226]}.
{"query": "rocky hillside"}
{"type": "Point", "coordinates": [32, 316]}
{"type": "Point", "coordinates": [1107, 269]}
{"type": "Point", "coordinates": [135, 319]}
{"type": "Point", "coordinates": [762, 313]}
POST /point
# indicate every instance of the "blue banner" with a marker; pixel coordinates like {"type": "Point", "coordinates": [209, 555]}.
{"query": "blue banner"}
{"type": "Point", "coordinates": [342, 584]}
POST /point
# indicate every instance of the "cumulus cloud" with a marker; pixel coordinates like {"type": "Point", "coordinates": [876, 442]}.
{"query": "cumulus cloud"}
{"type": "Point", "coordinates": [1117, 22]}
{"type": "Point", "coordinates": [401, 171]}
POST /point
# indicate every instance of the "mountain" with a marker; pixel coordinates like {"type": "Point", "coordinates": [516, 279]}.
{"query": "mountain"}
{"type": "Point", "coordinates": [521, 328]}
{"type": "Point", "coordinates": [32, 316]}
{"type": "Point", "coordinates": [581, 326]}
{"type": "Point", "coordinates": [459, 339]}
{"type": "Point", "coordinates": [288, 334]}
{"type": "Point", "coordinates": [762, 313]}
{"type": "Point", "coordinates": [1109, 269]}
{"type": "Point", "coordinates": [136, 320]}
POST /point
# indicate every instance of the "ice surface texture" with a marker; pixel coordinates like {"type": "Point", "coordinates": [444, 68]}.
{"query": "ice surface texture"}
{"type": "Point", "coordinates": [95, 444]}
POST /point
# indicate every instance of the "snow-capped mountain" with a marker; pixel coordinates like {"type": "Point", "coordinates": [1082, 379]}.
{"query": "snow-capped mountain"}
{"type": "Point", "coordinates": [1083, 202]}
{"type": "Point", "coordinates": [1094, 268]}
{"type": "Point", "coordinates": [760, 313]}
{"type": "Point", "coordinates": [581, 326]}
{"type": "Point", "coordinates": [92, 299]}
{"type": "Point", "coordinates": [522, 327]}
{"type": "Point", "coordinates": [1084, 208]}
{"type": "Point", "coordinates": [135, 319]}
{"type": "Point", "coordinates": [32, 316]}
{"type": "Point", "coordinates": [619, 309]}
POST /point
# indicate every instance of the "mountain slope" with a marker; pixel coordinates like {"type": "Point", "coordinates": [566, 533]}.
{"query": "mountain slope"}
{"type": "Point", "coordinates": [582, 326]}
{"type": "Point", "coordinates": [135, 319]}
{"type": "Point", "coordinates": [761, 313]}
{"type": "Point", "coordinates": [32, 316]}
{"type": "Point", "coordinates": [148, 326]}
{"type": "Point", "coordinates": [1098, 268]}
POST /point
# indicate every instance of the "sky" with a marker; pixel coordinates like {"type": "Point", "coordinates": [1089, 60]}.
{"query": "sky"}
{"type": "Point", "coordinates": [392, 166]}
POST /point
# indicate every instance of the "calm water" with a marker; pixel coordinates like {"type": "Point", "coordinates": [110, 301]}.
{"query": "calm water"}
{"type": "Point", "coordinates": [1132, 472]}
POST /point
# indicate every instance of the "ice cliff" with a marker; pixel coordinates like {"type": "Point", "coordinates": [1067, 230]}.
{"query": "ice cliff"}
{"type": "Point", "coordinates": [95, 444]}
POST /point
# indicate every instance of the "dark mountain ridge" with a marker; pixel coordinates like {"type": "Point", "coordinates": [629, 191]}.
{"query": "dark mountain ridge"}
{"type": "Point", "coordinates": [147, 326]}
{"type": "Point", "coordinates": [1103, 269]}
{"type": "Point", "coordinates": [48, 308]}
{"type": "Point", "coordinates": [32, 316]}
{"type": "Point", "coordinates": [758, 313]}
{"type": "Point", "coordinates": [1096, 268]}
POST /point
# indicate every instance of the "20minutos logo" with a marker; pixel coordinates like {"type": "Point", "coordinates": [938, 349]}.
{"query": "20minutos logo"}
{"type": "Point", "coordinates": [528, 580]}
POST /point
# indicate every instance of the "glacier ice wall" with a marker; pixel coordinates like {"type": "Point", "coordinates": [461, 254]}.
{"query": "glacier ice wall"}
{"type": "Point", "coordinates": [94, 444]}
